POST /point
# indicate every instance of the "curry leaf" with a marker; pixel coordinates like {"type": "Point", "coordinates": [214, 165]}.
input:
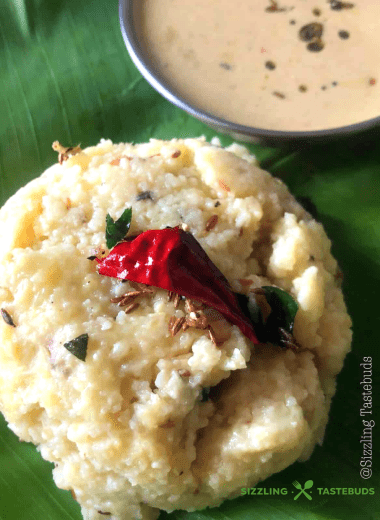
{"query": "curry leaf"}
{"type": "Point", "coordinates": [117, 230]}
{"type": "Point", "coordinates": [205, 394]}
{"type": "Point", "coordinates": [66, 75]}
{"type": "Point", "coordinates": [283, 309]}
{"type": "Point", "coordinates": [78, 346]}
{"type": "Point", "coordinates": [283, 305]}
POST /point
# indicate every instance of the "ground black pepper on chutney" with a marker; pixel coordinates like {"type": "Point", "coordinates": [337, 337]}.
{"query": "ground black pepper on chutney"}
{"type": "Point", "coordinates": [282, 65]}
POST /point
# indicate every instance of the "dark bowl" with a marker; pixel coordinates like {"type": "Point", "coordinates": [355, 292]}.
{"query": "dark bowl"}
{"type": "Point", "coordinates": [128, 14]}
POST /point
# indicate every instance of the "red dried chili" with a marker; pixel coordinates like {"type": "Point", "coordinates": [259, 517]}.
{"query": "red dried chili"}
{"type": "Point", "coordinates": [172, 259]}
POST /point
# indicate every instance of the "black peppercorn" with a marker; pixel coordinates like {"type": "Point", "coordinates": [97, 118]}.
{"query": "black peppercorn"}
{"type": "Point", "coordinates": [344, 35]}
{"type": "Point", "coordinates": [315, 46]}
{"type": "Point", "coordinates": [310, 31]}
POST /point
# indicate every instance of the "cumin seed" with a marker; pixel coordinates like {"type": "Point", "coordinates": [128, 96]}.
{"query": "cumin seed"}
{"type": "Point", "coordinates": [126, 301]}
{"type": "Point", "coordinates": [118, 299]}
{"type": "Point", "coordinates": [134, 285]}
{"type": "Point", "coordinates": [212, 222]}
{"type": "Point", "coordinates": [288, 340]}
{"type": "Point", "coordinates": [131, 307]}
{"type": "Point", "coordinates": [177, 326]}
{"type": "Point", "coordinates": [177, 299]}
{"type": "Point", "coordinates": [126, 298]}
{"type": "Point", "coordinates": [131, 294]}
{"type": "Point", "coordinates": [148, 290]}
{"type": "Point", "coordinates": [176, 154]}
{"type": "Point", "coordinates": [142, 288]}
{"type": "Point", "coordinates": [7, 318]}
{"type": "Point", "coordinates": [171, 323]}
{"type": "Point", "coordinates": [197, 320]}
{"type": "Point", "coordinates": [189, 306]}
{"type": "Point", "coordinates": [223, 185]}
{"type": "Point", "coordinates": [212, 336]}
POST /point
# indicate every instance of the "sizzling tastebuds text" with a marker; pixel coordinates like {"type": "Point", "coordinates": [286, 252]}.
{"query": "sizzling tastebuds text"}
{"type": "Point", "coordinates": [366, 438]}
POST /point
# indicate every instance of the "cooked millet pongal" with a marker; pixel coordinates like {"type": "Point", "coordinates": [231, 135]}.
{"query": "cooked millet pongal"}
{"type": "Point", "coordinates": [128, 429]}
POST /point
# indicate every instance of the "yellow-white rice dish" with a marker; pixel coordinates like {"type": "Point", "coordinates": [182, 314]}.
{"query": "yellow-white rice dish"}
{"type": "Point", "coordinates": [127, 429]}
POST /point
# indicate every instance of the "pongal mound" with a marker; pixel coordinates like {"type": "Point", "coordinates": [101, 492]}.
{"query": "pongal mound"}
{"type": "Point", "coordinates": [147, 398]}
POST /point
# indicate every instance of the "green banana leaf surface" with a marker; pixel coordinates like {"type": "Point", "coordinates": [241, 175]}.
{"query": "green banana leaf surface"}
{"type": "Point", "coordinates": [65, 75]}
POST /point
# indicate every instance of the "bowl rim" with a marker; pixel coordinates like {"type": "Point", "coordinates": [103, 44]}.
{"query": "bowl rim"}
{"type": "Point", "coordinates": [146, 68]}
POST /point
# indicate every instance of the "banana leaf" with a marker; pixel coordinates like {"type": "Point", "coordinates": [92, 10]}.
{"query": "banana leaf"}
{"type": "Point", "coordinates": [65, 75]}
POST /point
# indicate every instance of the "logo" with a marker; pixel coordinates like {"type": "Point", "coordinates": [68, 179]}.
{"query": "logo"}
{"type": "Point", "coordinates": [302, 490]}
